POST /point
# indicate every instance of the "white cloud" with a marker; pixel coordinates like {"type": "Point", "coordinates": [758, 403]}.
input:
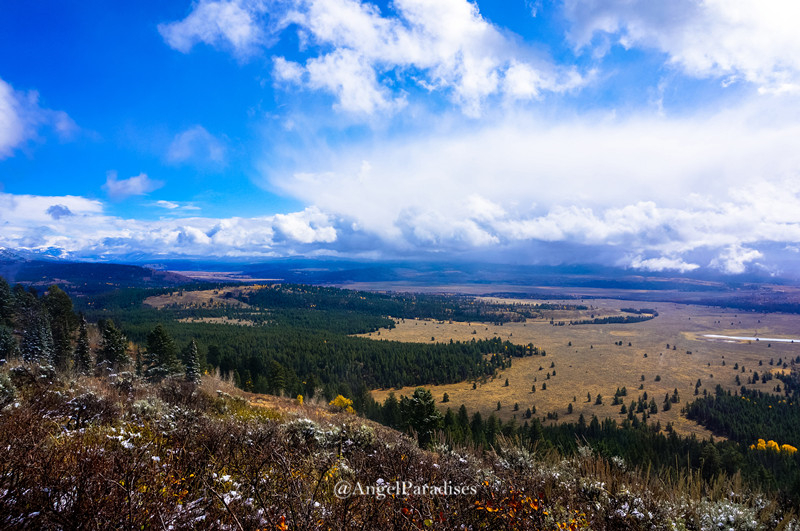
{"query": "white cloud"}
{"type": "Point", "coordinates": [662, 264]}
{"type": "Point", "coordinates": [365, 56]}
{"type": "Point", "coordinates": [175, 206]}
{"type": "Point", "coordinates": [735, 258]}
{"type": "Point", "coordinates": [21, 117]}
{"type": "Point", "coordinates": [34, 209]}
{"type": "Point", "coordinates": [27, 223]}
{"type": "Point", "coordinates": [755, 40]}
{"type": "Point", "coordinates": [666, 193]}
{"type": "Point", "coordinates": [308, 226]}
{"type": "Point", "coordinates": [118, 189]}
{"type": "Point", "coordinates": [197, 146]}
{"type": "Point", "coordinates": [226, 23]}
{"type": "Point", "coordinates": [347, 75]}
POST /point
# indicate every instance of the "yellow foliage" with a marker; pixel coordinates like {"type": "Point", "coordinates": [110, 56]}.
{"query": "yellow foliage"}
{"type": "Point", "coordinates": [345, 404]}
{"type": "Point", "coordinates": [772, 445]}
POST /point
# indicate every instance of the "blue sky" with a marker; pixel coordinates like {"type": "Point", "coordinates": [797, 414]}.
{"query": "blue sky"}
{"type": "Point", "coordinates": [661, 136]}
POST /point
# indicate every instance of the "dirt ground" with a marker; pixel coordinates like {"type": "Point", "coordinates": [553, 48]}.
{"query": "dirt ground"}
{"type": "Point", "coordinates": [585, 359]}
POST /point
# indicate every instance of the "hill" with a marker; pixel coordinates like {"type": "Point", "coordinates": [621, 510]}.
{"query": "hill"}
{"type": "Point", "coordinates": [117, 452]}
{"type": "Point", "coordinates": [83, 278]}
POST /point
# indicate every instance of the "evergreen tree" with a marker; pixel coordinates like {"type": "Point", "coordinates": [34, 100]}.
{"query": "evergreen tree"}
{"type": "Point", "coordinates": [419, 413]}
{"type": "Point", "coordinates": [391, 411]}
{"type": "Point", "coordinates": [162, 354]}
{"type": "Point", "coordinates": [462, 419]}
{"type": "Point", "coordinates": [276, 379]}
{"type": "Point", "coordinates": [36, 344]}
{"type": "Point", "coordinates": [63, 323]}
{"type": "Point", "coordinates": [82, 360]}
{"type": "Point", "coordinates": [113, 345]}
{"type": "Point", "coordinates": [6, 304]}
{"type": "Point", "coordinates": [8, 345]}
{"type": "Point", "coordinates": [192, 363]}
{"type": "Point", "coordinates": [23, 300]}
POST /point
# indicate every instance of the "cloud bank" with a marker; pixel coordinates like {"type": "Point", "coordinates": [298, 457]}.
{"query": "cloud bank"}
{"type": "Point", "coordinates": [79, 227]}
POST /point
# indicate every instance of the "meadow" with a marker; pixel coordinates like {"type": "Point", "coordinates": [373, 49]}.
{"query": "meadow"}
{"type": "Point", "coordinates": [655, 357]}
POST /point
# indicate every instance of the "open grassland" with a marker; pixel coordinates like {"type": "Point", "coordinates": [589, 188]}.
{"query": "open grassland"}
{"type": "Point", "coordinates": [209, 298]}
{"type": "Point", "coordinates": [588, 359]}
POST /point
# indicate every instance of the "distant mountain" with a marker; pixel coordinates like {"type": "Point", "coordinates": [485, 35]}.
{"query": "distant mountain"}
{"type": "Point", "coordinates": [421, 273]}
{"type": "Point", "coordinates": [82, 277]}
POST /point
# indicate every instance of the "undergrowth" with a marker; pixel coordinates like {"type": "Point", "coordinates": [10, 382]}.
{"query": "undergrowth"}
{"type": "Point", "coordinates": [116, 452]}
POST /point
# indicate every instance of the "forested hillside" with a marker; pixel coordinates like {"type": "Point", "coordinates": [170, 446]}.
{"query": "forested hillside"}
{"type": "Point", "coordinates": [294, 341]}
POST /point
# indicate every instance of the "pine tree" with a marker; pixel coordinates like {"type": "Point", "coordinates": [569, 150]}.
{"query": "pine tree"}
{"type": "Point", "coordinates": [63, 323]}
{"type": "Point", "coordinates": [8, 345]}
{"type": "Point", "coordinates": [419, 413]}
{"type": "Point", "coordinates": [83, 355]}
{"type": "Point", "coordinates": [6, 304]}
{"type": "Point", "coordinates": [162, 354]}
{"type": "Point", "coordinates": [192, 363]}
{"type": "Point", "coordinates": [113, 345]}
{"type": "Point", "coordinates": [36, 345]}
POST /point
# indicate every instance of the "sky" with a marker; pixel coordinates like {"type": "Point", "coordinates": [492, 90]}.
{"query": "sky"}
{"type": "Point", "coordinates": [656, 136]}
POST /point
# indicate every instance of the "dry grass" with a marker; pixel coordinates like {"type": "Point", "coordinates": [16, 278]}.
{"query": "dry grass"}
{"type": "Point", "coordinates": [210, 298]}
{"type": "Point", "coordinates": [217, 320]}
{"type": "Point", "coordinates": [124, 454]}
{"type": "Point", "coordinates": [595, 364]}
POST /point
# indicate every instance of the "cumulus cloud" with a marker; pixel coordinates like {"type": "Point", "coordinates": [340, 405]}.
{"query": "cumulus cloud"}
{"type": "Point", "coordinates": [196, 146]}
{"type": "Point", "coordinates": [227, 23]}
{"type": "Point", "coordinates": [667, 193]}
{"type": "Point", "coordinates": [735, 258]}
{"type": "Point", "coordinates": [747, 39]}
{"type": "Point", "coordinates": [118, 189]}
{"type": "Point", "coordinates": [308, 226]}
{"type": "Point", "coordinates": [28, 222]}
{"type": "Point", "coordinates": [21, 117]}
{"type": "Point", "coordinates": [364, 57]}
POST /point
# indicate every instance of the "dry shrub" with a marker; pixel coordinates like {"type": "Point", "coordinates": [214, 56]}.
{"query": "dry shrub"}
{"type": "Point", "coordinates": [95, 455]}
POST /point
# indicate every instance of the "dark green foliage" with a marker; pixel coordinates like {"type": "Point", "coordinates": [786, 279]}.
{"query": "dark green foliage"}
{"type": "Point", "coordinates": [753, 415]}
{"type": "Point", "coordinates": [36, 344]}
{"type": "Point", "coordinates": [113, 345]}
{"type": "Point", "coordinates": [192, 363]}
{"type": "Point", "coordinates": [63, 322]}
{"type": "Point", "coordinates": [404, 306]}
{"type": "Point", "coordinates": [82, 360]}
{"type": "Point", "coordinates": [8, 344]}
{"type": "Point", "coordinates": [619, 319]}
{"type": "Point", "coordinates": [419, 413]}
{"type": "Point", "coordinates": [6, 304]}
{"type": "Point", "coordinates": [161, 358]}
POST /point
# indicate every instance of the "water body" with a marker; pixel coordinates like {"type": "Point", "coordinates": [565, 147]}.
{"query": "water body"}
{"type": "Point", "coordinates": [746, 338]}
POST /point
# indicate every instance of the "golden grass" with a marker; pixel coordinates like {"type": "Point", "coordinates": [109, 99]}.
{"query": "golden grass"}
{"type": "Point", "coordinates": [217, 320]}
{"type": "Point", "coordinates": [595, 364]}
{"type": "Point", "coordinates": [209, 298]}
